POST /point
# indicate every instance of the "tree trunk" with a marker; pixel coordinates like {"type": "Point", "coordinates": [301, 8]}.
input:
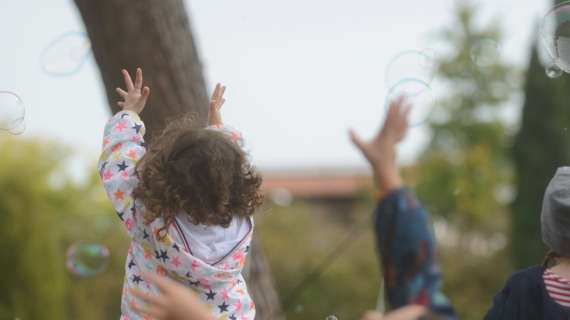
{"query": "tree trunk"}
{"type": "Point", "coordinates": [156, 36]}
{"type": "Point", "coordinates": [260, 283]}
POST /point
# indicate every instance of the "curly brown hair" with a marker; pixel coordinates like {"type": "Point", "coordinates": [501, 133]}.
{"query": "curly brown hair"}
{"type": "Point", "coordinates": [197, 171]}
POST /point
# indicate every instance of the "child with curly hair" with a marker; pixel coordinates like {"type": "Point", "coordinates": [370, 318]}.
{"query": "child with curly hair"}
{"type": "Point", "coordinates": [187, 203]}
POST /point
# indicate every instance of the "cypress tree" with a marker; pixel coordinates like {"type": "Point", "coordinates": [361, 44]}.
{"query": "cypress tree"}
{"type": "Point", "coordinates": [540, 146]}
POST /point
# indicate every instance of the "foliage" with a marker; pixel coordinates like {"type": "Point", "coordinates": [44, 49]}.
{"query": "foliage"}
{"type": "Point", "coordinates": [33, 279]}
{"type": "Point", "coordinates": [42, 212]}
{"type": "Point", "coordinates": [541, 145]}
{"type": "Point", "coordinates": [464, 176]}
{"type": "Point", "coordinates": [466, 163]}
{"type": "Point", "coordinates": [296, 239]}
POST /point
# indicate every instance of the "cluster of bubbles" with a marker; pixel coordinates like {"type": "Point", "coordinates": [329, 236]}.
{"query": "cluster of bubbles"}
{"type": "Point", "coordinates": [555, 34]}
{"type": "Point", "coordinates": [409, 75]}
{"type": "Point", "coordinates": [331, 317]}
{"type": "Point", "coordinates": [66, 54]}
{"type": "Point", "coordinates": [87, 259]}
{"type": "Point", "coordinates": [12, 113]}
{"type": "Point", "coordinates": [63, 56]}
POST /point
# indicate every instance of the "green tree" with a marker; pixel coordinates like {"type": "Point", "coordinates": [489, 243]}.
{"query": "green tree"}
{"type": "Point", "coordinates": [541, 145]}
{"type": "Point", "coordinates": [42, 212]}
{"type": "Point", "coordinates": [466, 163]}
{"type": "Point", "coordinates": [464, 176]}
{"type": "Point", "coordinates": [33, 278]}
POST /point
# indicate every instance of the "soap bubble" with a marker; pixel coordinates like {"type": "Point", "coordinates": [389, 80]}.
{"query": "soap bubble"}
{"type": "Point", "coordinates": [18, 128]}
{"type": "Point", "coordinates": [553, 71]}
{"type": "Point", "coordinates": [411, 64]}
{"type": "Point", "coordinates": [555, 34]}
{"type": "Point", "coordinates": [87, 259]}
{"type": "Point", "coordinates": [299, 308]}
{"type": "Point", "coordinates": [485, 52]}
{"type": "Point", "coordinates": [418, 95]}
{"type": "Point", "coordinates": [12, 113]}
{"type": "Point", "coordinates": [282, 197]}
{"type": "Point", "coordinates": [331, 317]}
{"type": "Point", "coordinates": [66, 54]}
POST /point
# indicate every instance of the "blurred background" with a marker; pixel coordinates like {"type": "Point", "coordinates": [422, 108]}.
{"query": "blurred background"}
{"type": "Point", "coordinates": [490, 128]}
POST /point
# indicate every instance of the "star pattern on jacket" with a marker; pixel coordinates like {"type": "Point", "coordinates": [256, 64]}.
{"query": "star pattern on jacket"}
{"type": "Point", "coordinates": [223, 307]}
{"type": "Point", "coordinates": [122, 166]}
{"type": "Point", "coordinates": [136, 279]}
{"type": "Point", "coordinates": [161, 255]}
{"type": "Point", "coordinates": [210, 295]}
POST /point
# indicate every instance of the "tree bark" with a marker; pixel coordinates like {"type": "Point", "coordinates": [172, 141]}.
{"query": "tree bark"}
{"type": "Point", "coordinates": [156, 36]}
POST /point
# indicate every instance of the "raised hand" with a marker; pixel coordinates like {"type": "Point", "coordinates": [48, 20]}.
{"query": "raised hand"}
{"type": "Point", "coordinates": [174, 302]}
{"type": "Point", "coordinates": [214, 113]}
{"type": "Point", "coordinates": [380, 151]}
{"type": "Point", "coordinates": [134, 99]}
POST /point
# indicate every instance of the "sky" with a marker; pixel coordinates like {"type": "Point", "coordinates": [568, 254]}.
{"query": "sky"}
{"type": "Point", "coordinates": [299, 73]}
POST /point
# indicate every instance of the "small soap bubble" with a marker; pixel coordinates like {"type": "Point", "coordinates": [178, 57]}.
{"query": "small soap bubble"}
{"type": "Point", "coordinates": [12, 113]}
{"type": "Point", "coordinates": [66, 54]}
{"type": "Point", "coordinates": [87, 259]}
{"type": "Point", "coordinates": [299, 308]}
{"type": "Point", "coordinates": [411, 64]}
{"type": "Point", "coordinates": [485, 53]}
{"type": "Point", "coordinates": [553, 71]}
{"type": "Point", "coordinates": [418, 95]}
{"type": "Point", "coordinates": [19, 128]}
{"type": "Point", "coordinates": [555, 34]}
{"type": "Point", "coordinates": [282, 197]}
{"type": "Point", "coordinates": [331, 317]}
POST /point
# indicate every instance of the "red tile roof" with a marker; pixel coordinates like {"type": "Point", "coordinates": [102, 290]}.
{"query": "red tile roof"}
{"type": "Point", "coordinates": [310, 184]}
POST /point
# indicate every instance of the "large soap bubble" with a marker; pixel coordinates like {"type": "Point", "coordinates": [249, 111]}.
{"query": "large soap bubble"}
{"type": "Point", "coordinates": [555, 34]}
{"type": "Point", "coordinates": [12, 113]}
{"type": "Point", "coordinates": [418, 95]}
{"type": "Point", "coordinates": [87, 259]}
{"type": "Point", "coordinates": [411, 64]}
{"type": "Point", "coordinates": [66, 54]}
{"type": "Point", "coordinates": [485, 52]}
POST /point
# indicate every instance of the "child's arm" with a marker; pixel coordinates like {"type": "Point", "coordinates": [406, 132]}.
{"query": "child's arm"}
{"type": "Point", "coordinates": [402, 226]}
{"type": "Point", "coordinates": [122, 148]}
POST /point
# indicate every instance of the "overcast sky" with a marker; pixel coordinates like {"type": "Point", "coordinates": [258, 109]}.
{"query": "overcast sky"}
{"type": "Point", "coordinates": [299, 72]}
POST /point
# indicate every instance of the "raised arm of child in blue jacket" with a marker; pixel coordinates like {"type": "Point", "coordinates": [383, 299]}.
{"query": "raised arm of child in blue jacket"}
{"type": "Point", "coordinates": [403, 228]}
{"type": "Point", "coordinates": [407, 248]}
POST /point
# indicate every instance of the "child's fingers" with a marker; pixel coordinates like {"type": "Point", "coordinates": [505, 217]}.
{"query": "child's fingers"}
{"type": "Point", "coordinates": [145, 93]}
{"type": "Point", "coordinates": [122, 92]}
{"type": "Point", "coordinates": [128, 80]}
{"type": "Point", "coordinates": [162, 283]}
{"type": "Point", "coordinates": [222, 91]}
{"type": "Point", "coordinates": [150, 299]}
{"type": "Point", "coordinates": [406, 110]}
{"type": "Point", "coordinates": [149, 311]}
{"type": "Point", "coordinates": [356, 140]}
{"type": "Point", "coordinates": [221, 103]}
{"type": "Point", "coordinates": [138, 79]}
{"type": "Point", "coordinates": [216, 91]}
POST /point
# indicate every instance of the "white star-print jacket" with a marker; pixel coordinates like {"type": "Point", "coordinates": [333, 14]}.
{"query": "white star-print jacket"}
{"type": "Point", "coordinates": [221, 286]}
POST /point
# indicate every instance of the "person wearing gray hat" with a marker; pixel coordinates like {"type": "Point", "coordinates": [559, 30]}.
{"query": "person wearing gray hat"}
{"type": "Point", "coordinates": [543, 292]}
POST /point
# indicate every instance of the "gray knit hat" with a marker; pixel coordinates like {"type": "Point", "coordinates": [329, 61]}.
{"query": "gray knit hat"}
{"type": "Point", "coordinates": [555, 216]}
